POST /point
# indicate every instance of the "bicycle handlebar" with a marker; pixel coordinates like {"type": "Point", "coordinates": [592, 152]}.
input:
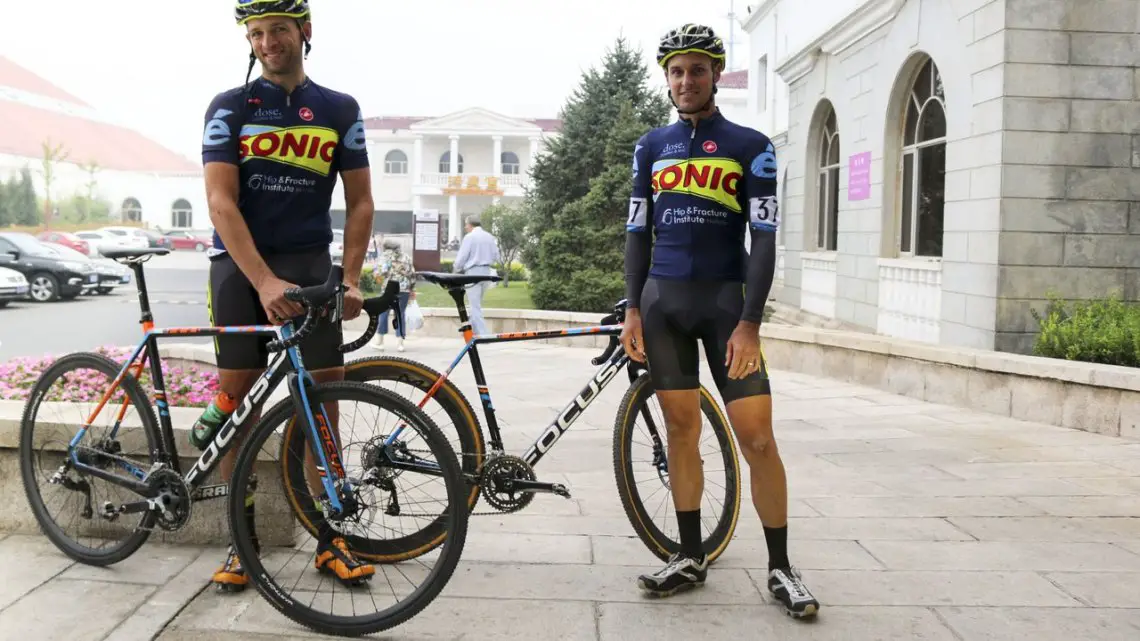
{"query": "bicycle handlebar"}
{"type": "Point", "coordinates": [616, 318]}
{"type": "Point", "coordinates": [317, 298]}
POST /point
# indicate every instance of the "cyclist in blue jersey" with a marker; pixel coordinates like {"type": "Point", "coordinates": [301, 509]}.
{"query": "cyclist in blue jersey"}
{"type": "Point", "coordinates": [699, 185]}
{"type": "Point", "coordinates": [272, 150]}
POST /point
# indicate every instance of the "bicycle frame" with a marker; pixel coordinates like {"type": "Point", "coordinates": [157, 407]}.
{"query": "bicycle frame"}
{"type": "Point", "coordinates": [286, 363]}
{"type": "Point", "coordinates": [612, 362]}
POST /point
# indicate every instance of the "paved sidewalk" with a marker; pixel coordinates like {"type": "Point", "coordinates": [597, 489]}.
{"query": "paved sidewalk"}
{"type": "Point", "coordinates": [909, 520]}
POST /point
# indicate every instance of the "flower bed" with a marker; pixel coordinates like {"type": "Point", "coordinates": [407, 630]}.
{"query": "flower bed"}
{"type": "Point", "coordinates": [185, 387]}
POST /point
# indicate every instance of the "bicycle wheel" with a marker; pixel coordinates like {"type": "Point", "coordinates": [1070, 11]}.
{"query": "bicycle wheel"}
{"type": "Point", "coordinates": [448, 408]}
{"type": "Point", "coordinates": [294, 590]}
{"type": "Point", "coordinates": [45, 440]}
{"type": "Point", "coordinates": [638, 495]}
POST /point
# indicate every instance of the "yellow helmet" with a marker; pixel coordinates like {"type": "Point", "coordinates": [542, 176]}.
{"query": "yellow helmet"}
{"type": "Point", "coordinates": [246, 10]}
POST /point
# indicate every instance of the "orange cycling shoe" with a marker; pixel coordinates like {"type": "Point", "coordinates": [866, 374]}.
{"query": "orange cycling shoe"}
{"type": "Point", "coordinates": [334, 557]}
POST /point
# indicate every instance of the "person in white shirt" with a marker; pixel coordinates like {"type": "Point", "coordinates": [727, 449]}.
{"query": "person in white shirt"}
{"type": "Point", "coordinates": [478, 253]}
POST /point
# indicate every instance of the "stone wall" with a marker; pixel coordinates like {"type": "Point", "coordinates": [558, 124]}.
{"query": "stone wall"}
{"type": "Point", "coordinates": [1069, 217]}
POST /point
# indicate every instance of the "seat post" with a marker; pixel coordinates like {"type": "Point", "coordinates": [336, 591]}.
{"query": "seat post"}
{"type": "Point", "coordinates": [457, 294]}
{"type": "Point", "coordinates": [144, 300]}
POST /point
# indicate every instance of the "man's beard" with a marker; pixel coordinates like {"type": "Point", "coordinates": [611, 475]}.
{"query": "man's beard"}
{"type": "Point", "coordinates": [285, 63]}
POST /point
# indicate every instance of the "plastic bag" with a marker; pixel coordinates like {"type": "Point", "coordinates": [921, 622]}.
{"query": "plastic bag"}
{"type": "Point", "coordinates": [413, 317]}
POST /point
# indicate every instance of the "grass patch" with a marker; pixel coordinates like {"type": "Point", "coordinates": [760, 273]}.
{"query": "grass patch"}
{"type": "Point", "coordinates": [517, 296]}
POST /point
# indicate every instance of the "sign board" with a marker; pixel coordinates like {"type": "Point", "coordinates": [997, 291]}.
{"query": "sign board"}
{"type": "Point", "coordinates": [425, 242]}
{"type": "Point", "coordinates": [859, 176]}
{"type": "Point", "coordinates": [473, 185]}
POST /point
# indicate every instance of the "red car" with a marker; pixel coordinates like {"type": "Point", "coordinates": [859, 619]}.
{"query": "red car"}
{"type": "Point", "coordinates": [189, 240]}
{"type": "Point", "coordinates": [66, 239]}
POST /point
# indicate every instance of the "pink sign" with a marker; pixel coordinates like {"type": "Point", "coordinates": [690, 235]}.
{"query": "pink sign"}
{"type": "Point", "coordinates": [859, 177]}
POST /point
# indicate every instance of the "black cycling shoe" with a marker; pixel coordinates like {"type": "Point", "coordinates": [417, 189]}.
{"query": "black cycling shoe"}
{"type": "Point", "coordinates": [681, 573]}
{"type": "Point", "coordinates": [786, 584]}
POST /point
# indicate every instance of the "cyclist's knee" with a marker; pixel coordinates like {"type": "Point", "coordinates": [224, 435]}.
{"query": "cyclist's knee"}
{"type": "Point", "coordinates": [682, 409]}
{"type": "Point", "coordinates": [751, 419]}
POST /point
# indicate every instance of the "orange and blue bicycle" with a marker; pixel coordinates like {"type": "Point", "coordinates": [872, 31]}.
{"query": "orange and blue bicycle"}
{"type": "Point", "coordinates": [125, 477]}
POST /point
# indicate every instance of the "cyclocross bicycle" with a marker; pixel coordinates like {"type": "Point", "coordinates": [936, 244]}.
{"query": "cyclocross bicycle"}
{"type": "Point", "coordinates": [161, 494]}
{"type": "Point", "coordinates": [508, 482]}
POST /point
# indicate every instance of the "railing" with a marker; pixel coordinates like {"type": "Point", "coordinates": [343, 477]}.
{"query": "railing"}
{"type": "Point", "coordinates": [910, 299]}
{"type": "Point", "coordinates": [471, 183]}
{"type": "Point", "coordinates": [818, 283]}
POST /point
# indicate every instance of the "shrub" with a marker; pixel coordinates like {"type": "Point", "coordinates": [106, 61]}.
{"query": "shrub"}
{"type": "Point", "coordinates": [1097, 331]}
{"type": "Point", "coordinates": [192, 387]}
{"type": "Point", "coordinates": [367, 279]}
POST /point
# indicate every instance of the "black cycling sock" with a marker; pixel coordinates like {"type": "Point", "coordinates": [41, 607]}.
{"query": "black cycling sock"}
{"type": "Point", "coordinates": [777, 540]}
{"type": "Point", "coordinates": [689, 524]}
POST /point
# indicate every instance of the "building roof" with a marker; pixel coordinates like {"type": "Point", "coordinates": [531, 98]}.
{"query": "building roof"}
{"type": "Point", "coordinates": [35, 111]}
{"type": "Point", "coordinates": [734, 80]}
{"type": "Point", "coordinates": [404, 122]}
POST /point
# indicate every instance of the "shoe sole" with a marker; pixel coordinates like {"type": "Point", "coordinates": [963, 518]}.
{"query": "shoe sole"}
{"type": "Point", "coordinates": [809, 612]}
{"type": "Point", "coordinates": [351, 583]}
{"type": "Point", "coordinates": [661, 594]}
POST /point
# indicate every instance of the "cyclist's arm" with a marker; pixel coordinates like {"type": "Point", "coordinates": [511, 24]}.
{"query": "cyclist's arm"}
{"type": "Point", "coordinates": [763, 221]}
{"type": "Point", "coordinates": [222, 196]}
{"type": "Point", "coordinates": [359, 208]}
{"type": "Point", "coordinates": [638, 226]}
{"type": "Point", "coordinates": [221, 158]}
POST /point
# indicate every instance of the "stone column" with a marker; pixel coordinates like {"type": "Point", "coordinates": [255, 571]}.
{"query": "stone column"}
{"type": "Point", "coordinates": [453, 166]}
{"type": "Point", "coordinates": [533, 150]}
{"type": "Point", "coordinates": [453, 226]}
{"type": "Point", "coordinates": [497, 163]}
{"type": "Point", "coordinates": [418, 160]}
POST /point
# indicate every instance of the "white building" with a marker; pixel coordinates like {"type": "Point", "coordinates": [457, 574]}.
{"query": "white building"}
{"type": "Point", "coordinates": [412, 169]}
{"type": "Point", "coordinates": [948, 163]}
{"type": "Point", "coordinates": [142, 180]}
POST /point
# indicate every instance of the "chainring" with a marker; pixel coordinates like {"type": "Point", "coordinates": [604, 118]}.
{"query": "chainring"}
{"type": "Point", "coordinates": [498, 473]}
{"type": "Point", "coordinates": [171, 502]}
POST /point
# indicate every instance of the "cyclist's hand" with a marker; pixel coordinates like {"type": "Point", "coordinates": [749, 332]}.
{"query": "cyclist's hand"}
{"type": "Point", "coordinates": [278, 308]}
{"type": "Point", "coordinates": [631, 338]}
{"type": "Point", "coordinates": [742, 356]}
{"type": "Point", "coordinates": [353, 302]}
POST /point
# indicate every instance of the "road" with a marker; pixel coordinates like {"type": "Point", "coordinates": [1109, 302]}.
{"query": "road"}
{"type": "Point", "coordinates": [176, 284]}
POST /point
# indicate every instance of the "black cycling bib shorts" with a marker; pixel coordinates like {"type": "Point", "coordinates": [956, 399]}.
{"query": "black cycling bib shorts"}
{"type": "Point", "coordinates": [232, 300]}
{"type": "Point", "coordinates": [675, 315]}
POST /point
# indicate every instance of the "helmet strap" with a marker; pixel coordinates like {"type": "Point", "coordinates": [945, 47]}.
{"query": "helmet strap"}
{"type": "Point", "coordinates": [252, 60]}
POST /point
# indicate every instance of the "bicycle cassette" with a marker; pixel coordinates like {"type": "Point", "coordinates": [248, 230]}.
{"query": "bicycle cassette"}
{"type": "Point", "coordinates": [499, 475]}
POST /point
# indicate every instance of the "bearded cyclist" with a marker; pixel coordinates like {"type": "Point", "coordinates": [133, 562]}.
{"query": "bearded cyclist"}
{"type": "Point", "coordinates": [272, 149]}
{"type": "Point", "coordinates": [697, 185]}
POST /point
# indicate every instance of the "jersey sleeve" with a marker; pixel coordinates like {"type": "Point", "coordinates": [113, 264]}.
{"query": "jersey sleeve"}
{"type": "Point", "coordinates": [220, 137]}
{"type": "Point", "coordinates": [760, 187]}
{"type": "Point", "coordinates": [353, 141]}
{"type": "Point", "coordinates": [640, 216]}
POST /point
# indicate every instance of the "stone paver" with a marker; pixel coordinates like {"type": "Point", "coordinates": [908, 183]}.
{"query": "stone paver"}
{"type": "Point", "coordinates": [910, 520]}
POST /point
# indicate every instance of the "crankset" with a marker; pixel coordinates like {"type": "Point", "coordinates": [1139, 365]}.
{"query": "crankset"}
{"type": "Point", "coordinates": [509, 484]}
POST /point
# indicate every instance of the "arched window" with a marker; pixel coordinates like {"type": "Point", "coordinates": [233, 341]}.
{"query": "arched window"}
{"type": "Point", "coordinates": [510, 162]}
{"type": "Point", "coordinates": [445, 163]}
{"type": "Point", "coordinates": [827, 207]}
{"type": "Point", "coordinates": [131, 211]}
{"type": "Point", "coordinates": [396, 162]}
{"type": "Point", "coordinates": [924, 165]}
{"type": "Point", "coordinates": [181, 214]}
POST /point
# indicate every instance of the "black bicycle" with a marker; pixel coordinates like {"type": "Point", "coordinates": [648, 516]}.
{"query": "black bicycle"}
{"type": "Point", "coordinates": [508, 482]}
{"type": "Point", "coordinates": [137, 456]}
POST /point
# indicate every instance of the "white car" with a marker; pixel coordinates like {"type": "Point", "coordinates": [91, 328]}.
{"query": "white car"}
{"type": "Point", "coordinates": [100, 241]}
{"type": "Point", "coordinates": [336, 247]}
{"type": "Point", "coordinates": [13, 286]}
{"type": "Point", "coordinates": [133, 237]}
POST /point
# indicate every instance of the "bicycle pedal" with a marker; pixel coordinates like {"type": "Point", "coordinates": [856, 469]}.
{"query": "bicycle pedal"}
{"type": "Point", "coordinates": [561, 490]}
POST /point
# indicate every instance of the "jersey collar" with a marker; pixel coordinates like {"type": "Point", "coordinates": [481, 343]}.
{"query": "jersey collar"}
{"type": "Point", "coordinates": [272, 86]}
{"type": "Point", "coordinates": [715, 118]}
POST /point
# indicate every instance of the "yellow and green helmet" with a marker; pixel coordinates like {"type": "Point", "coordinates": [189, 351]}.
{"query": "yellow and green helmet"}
{"type": "Point", "coordinates": [246, 10]}
{"type": "Point", "coordinates": [690, 38]}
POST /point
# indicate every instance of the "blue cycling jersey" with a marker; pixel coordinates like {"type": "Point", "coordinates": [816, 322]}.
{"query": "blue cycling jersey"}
{"type": "Point", "coordinates": [694, 186]}
{"type": "Point", "coordinates": [289, 148]}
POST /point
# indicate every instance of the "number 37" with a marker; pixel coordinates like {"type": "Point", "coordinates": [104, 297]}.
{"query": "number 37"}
{"type": "Point", "coordinates": [765, 213]}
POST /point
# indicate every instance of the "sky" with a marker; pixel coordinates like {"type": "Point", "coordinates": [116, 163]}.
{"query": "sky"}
{"type": "Point", "coordinates": [155, 65]}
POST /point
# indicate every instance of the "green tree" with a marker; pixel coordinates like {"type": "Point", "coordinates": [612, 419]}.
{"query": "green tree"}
{"type": "Point", "coordinates": [22, 200]}
{"type": "Point", "coordinates": [581, 186]}
{"type": "Point", "coordinates": [508, 224]}
{"type": "Point", "coordinates": [5, 208]}
{"type": "Point", "coordinates": [53, 155]}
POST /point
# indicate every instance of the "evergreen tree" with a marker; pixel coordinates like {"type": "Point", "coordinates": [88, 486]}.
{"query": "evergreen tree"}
{"type": "Point", "coordinates": [22, 201]}
{"type": "Point", "coordinates": [581, 186]}
{"type": "Point", "coordinates": [5, 214]}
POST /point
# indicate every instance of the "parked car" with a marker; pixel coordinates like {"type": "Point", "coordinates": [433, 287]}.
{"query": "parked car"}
{"type": "Point", "coordinates": [133, 237]}
{"type": "Point", "coordinates": [111, 274]}
{"type": "Point", "coordinates": [67, 239]}
{"type": "Point", "coordinates": [100, 241]}
{"type": "Point", "coordinates": [13, 286]}
{"type": "Point", "coordinates": [157, 239]}
{"type": "Point", "coordinates": [51, 276]}
{"type": "Point", "coordinates": [182, 239]}
{"type": "Point", "coordinates": [336, 248]}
